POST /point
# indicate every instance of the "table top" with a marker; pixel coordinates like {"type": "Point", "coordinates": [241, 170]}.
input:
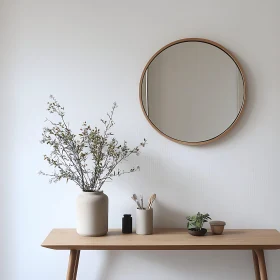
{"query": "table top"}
{"type": "Point", "coordinates": [165, 239]}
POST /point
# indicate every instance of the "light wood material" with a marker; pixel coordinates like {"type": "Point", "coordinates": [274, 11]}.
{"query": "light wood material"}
{"type": "Point", "coordinates": [202, 41]}
{"type": "Point", "coordinates": [262, 266]}
{"type": "Point", "coordinates": [256, 265]}
{"type": "Point", "coordinates": [71, 265]}
{"type": "Point", "coordinates": [165, 239]}
{"type": "Point", "coordinates": [76, 265]}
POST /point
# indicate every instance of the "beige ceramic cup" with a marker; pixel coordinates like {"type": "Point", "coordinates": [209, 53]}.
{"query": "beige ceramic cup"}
{"type": "Point", "coordinates": [217, 227]}
{"type": "Point", "coordinates": [144, 221]}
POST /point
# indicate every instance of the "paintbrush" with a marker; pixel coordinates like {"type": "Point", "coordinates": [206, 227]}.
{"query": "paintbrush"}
{"type": "Point", "coordinates": [134, 197]}
{"type": "Point", "coordinates": [151, 200]}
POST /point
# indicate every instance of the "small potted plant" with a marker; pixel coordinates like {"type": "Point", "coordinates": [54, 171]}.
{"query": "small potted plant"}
{"type": "Point", "coordinates": [195, 224]}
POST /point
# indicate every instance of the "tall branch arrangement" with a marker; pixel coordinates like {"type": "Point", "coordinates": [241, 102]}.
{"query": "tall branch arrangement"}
{"type": "Point", "coordinates": [89, 158]}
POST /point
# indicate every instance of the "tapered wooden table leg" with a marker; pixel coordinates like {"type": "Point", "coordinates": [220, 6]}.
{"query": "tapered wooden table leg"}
{"type": "Point", "coordinates": [76, 265]}
{"type": "Point", "coordinates": [73, 265]}
{"type": "Point", "coordinates": [256, 265]}
{"type": "Point", "coordinates": [261, 264]}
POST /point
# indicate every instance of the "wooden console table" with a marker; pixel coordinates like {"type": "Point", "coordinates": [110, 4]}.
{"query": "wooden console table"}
{"type": "Point", "coordinates": [166, 239]}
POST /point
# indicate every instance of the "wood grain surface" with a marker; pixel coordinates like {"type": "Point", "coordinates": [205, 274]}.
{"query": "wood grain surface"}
{"type": "Point", "coordinates": [165, 239]}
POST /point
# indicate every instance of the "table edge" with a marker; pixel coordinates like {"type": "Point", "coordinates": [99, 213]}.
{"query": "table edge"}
{"type": "Point", "coordinates": [160, 247]}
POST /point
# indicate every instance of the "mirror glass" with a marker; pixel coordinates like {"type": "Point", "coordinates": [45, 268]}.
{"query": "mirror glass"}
{"type": "Point", "coordinates": [192, 91]}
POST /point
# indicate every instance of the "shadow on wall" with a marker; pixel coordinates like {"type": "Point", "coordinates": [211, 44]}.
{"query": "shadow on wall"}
{"type": "Point", "coordinates": [175, 185]}
{"type": "Point", "coordinates": [105, 268]}
{"type": "Point", "coordinates": [164, 264]}
{"type": "Point", "coordinates": [168, 217]}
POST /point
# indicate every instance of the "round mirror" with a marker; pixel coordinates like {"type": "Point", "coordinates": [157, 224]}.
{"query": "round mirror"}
{"type": "Point", "coordinates": [192, 91]}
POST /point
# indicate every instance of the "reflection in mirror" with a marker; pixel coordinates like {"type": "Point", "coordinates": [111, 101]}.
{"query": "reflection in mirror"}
{"type": "Point", "coordinates": [192, 91]}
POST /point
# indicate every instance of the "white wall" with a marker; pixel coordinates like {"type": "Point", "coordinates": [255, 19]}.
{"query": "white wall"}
{"type": "Point", "coordinates": [89, 54]}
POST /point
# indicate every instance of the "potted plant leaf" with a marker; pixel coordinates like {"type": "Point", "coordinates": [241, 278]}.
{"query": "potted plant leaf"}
{"type": "Point", "coordinates": [89, 159]}
{"type": "Point", "coordinates": [195, 224]}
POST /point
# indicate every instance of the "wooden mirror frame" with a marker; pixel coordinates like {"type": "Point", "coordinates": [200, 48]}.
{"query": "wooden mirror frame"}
{"type": "Point", "coordinates": [206, 42]}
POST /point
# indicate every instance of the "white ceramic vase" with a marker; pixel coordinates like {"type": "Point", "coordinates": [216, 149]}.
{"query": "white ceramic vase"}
{"type": "Point", "coordinates": [92, 214]}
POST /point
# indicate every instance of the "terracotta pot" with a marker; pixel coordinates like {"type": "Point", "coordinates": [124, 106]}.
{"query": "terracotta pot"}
{"type": "Point", "coordinates": [92, 214]}
{"type": "Point", "coordinates": [194, 232]}
{"type": "Point", "coordinates": [217, 227]}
